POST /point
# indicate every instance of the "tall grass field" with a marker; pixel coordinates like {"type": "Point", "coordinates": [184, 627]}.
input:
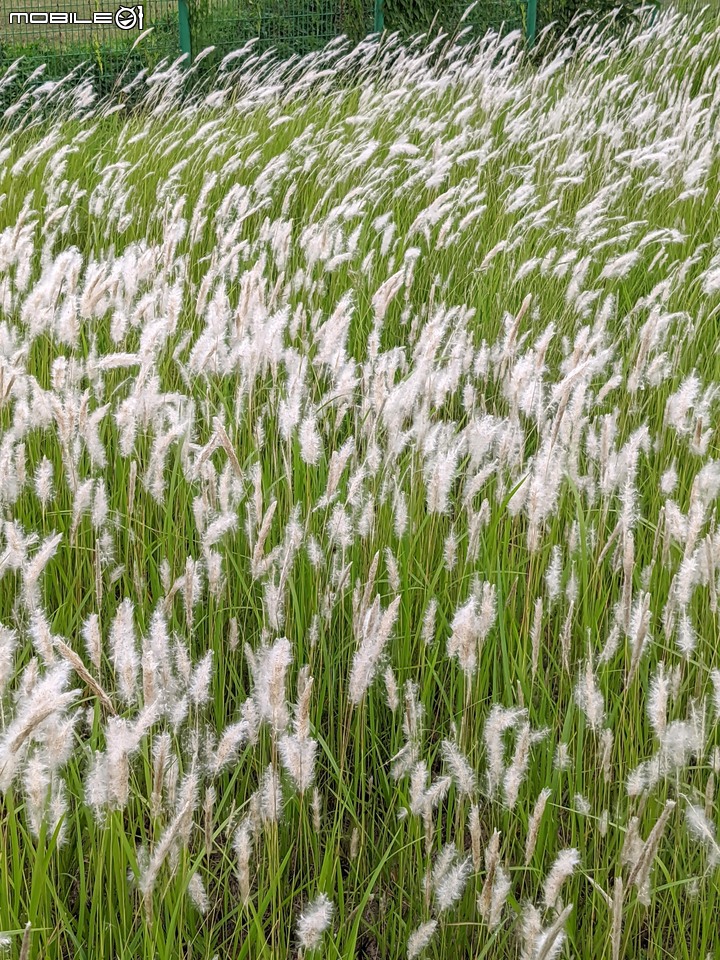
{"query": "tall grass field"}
{"type": "Point", "coordinates": [359, 485]}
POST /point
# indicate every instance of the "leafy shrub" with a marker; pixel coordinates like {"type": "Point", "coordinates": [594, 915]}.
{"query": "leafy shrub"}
{"type": "Point", "coordinates": [560, 13]}
{"type": "Point", "coordinates": [411, 17]}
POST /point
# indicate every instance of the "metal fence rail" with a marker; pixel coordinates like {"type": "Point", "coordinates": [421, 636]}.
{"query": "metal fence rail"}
{"type": "Point", "coordinates": [63, 33]}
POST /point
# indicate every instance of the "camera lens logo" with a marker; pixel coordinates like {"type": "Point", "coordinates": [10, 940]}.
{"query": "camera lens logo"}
{"type": "Point", "coordinates": [129, 18]}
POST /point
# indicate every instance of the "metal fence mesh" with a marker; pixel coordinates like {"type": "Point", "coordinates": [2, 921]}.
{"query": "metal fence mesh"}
{"type": "Point", "coordinates": [289, 26]}
{"type": "Point", "coordinates": [105, 47]}
{"type": "Point", "coordinates": [497, 14]}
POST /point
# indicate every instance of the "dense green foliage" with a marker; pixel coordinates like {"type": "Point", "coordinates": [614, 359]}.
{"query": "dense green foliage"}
{"type": "Point", "coordinates": [562, 12]}
{"type": "Point", "coordinates": [411, 17]}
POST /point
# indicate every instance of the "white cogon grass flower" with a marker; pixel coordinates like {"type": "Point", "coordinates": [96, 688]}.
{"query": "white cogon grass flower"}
{"type": "Point", "coordinates": [314, 921]}
{"type": "Point", "coordinates": [561, 870]}
{"type": "Point", "coordinates": [449, 877]}
{"type": "Point", "coordinates": [123, 650]}
{"type": "Point", "coordinates": [420, 938]}
{"type": "Point", "coordinates": [701, 828]}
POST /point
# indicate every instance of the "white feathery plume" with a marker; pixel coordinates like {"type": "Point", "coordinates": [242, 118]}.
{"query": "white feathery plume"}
{"type": "Point", "coordinates": [243, 850]}
{"type": "Point", "coordinates": [589, 698]}
{"type": "Point", "coordinates": [41, 635]}
{"type": "Point", "coordinates": [232, 738]}
{"type": "Point", "coordinates": [215, 531]}
{"type": "Point", "coordinates": [197, 893]}
{"type": "Point", "coordinates": [186, 805]}
{"type": "Point", "coordinates": [269, 668]}
{"type": "Point", "coordinates": [449, 877]}
{"type": "Point", "coordinates": [297, 754]}
{"type": "Point", "coordinates": [270, 793]}
{"type": "Point", "coordinates": [311, 447]}
{"type": "Point", "coordinates": [715, 677]}
{"type": "Point", "coordinates": [639, 873]}
{"type": "Point", "coordinates": [67, 653]}
{"type": "Point", "coordinates": [376, 630]}
{"type": "Point", "coordinates": [553, 575]}
{"type": "Point", "coordinates": [492, 861]}
{"type": "Point", "coordinates": [475, 835]}
{"type": "Point", "coordinates": [391, 689]}
{"type": "Point", "coordinates": [561, 870]}
{"type": "Point", "coordinates": [607, 739]}
{"type": "Point", "coordinates": [460, 770]}
{"type": "Point", "coordinates": [657, 703]}
{"type": "Point", "coordinates": [199, 687]}
{"type": "Point", "coordinates": [517, 768]}
{"type": "Point", "coordinates": [100, 506]}
{"type": "Point", "coordinates": [428, 626]}
{"type": "Point", "coordinates": [534, 824]}
{"type": "Point", "coordinates": [420, 938]}
{"type": "Point", "coordinates": [501, 887]}
{"type": "Point", "coordinates": [44, 482]}
{"type": "Point", "coordinates": [470, 627]}
{"type": "Point", "coordinates": [123, 651]}
{"type": "Point", "coordinates": [536, 634]}
{"type": "Point", "coordinates": [499, 720]}
{"type": "Point", "coordinates": [8, 643]}
{"type": "Point", "coordinates": [314, 921]}
{"type": "Point", "coordinates": [33, 570]}
{"type": "Point", "coordinates": [41, 703]}
{"type": "Point", "coordinates": [392, 570]}
{"type": "Point", "coordinates": [82, 502]}
{"type": "Point", "coordinates": [701, 828]}
{"type": "Point", "coordinates": [686, 637]}
{"type": "Point", "coordinates": [93, 640]}
{"type": "Point", "coordinates": [549, 941]}
{"type": "Point", "coordinates": [161, 757]}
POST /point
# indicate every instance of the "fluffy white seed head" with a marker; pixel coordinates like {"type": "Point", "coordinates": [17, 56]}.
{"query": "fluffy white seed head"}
{"type": "Point", "coordinates": [420, 938]}
{"type": "Point", "coordinates": [314, 921]}
{"type": "Point", "coordinates": [561, 870]}
{"type": "Point", "coordinates": [123, 651]}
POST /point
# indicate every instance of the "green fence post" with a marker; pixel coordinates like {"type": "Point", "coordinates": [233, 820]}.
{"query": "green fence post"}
{"type": "Point", "coordinates": [184, 30]}
{"type": "Point", "coordinates": [531, 25]}
{"type": "Point", "coordinates": [379, 22]}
